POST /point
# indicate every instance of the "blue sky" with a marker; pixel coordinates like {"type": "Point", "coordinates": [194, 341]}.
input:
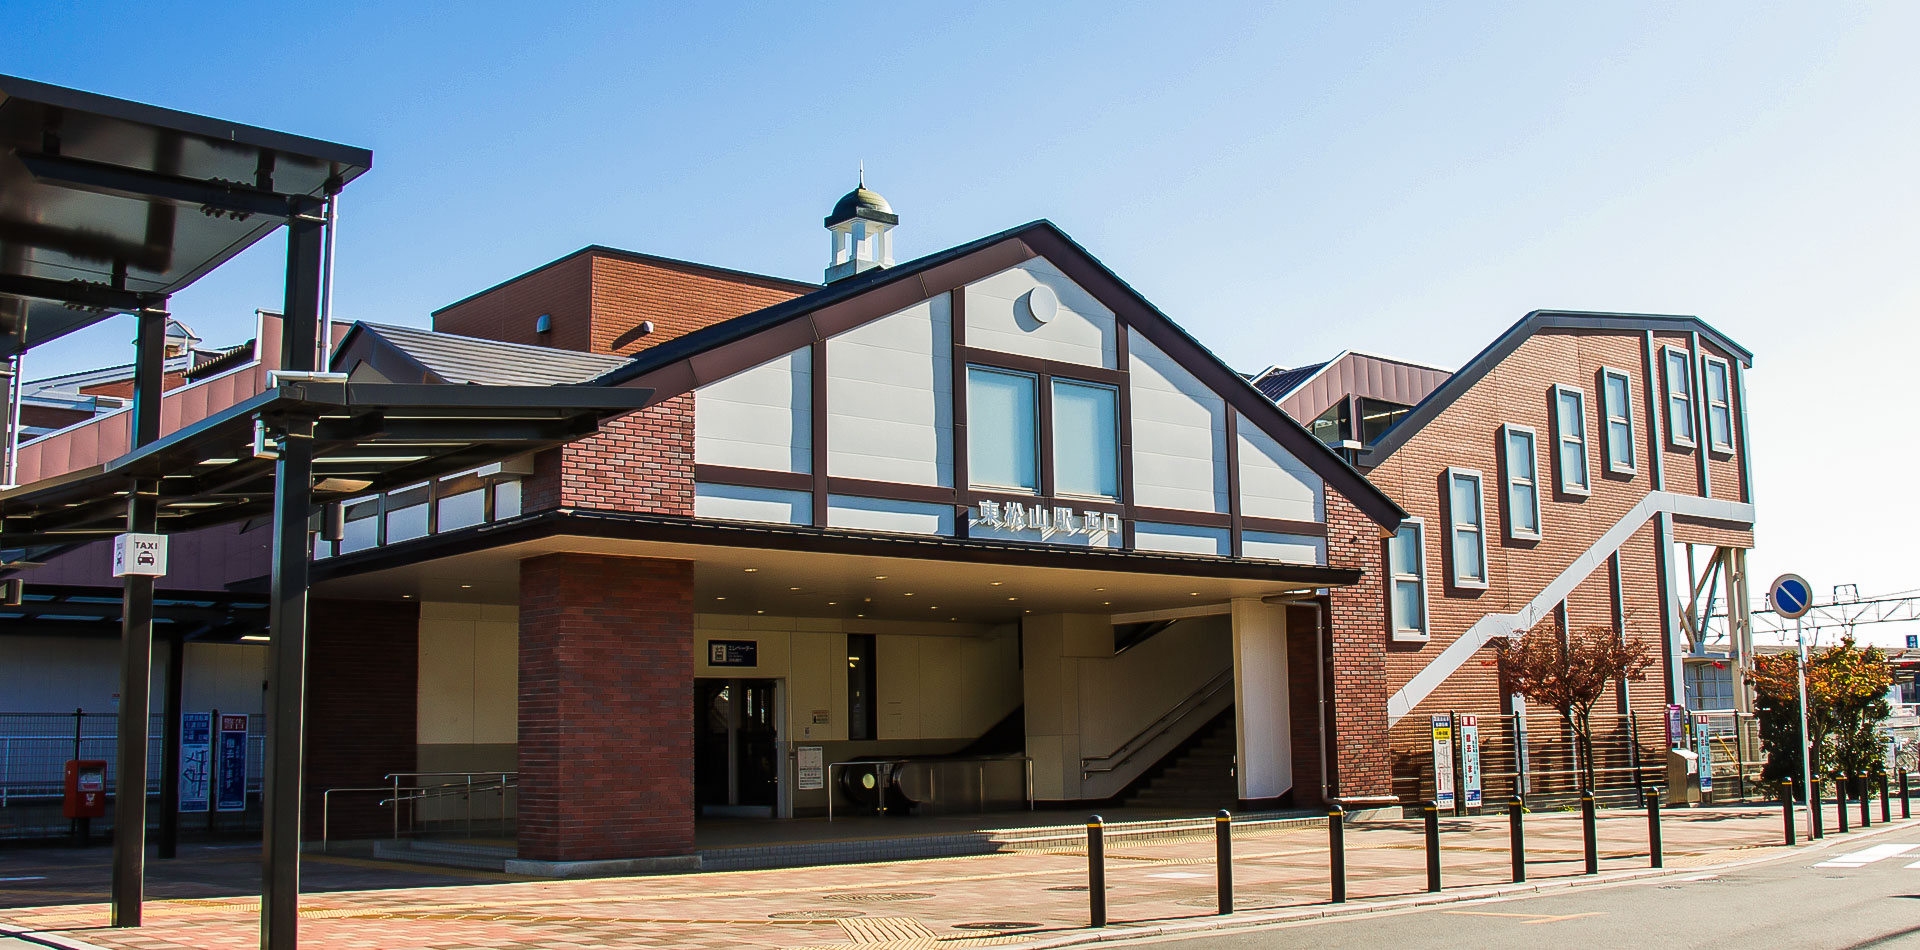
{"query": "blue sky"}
{"type": "Point", "coordinates": [1286, 180]}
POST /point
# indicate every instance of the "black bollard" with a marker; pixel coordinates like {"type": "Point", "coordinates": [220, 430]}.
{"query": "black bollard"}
{"type": "Point", "coordinates": [1866, 803]}
{"type": "Point", "coordinates": [1786, 808]}
{"type": "Point", "coordinates": [1097, 871]}
{"type": "Point", "coordinates": [1814, 805]}
{"type": "Point", "coordinates": [1886, 801]}
{"type": "Point", "coordinates": [1840, 801]}
{"type": "Point", "coordinates": [1517, 838]}
{"type": "Point", "coordinates": [1337, 852]}
{"type": "Point", "coordinates": [1653, 830]}
{"type": "Point", "coordinates": [1430, 811]}
{"type": "Point", "coordinates": [1223, 857]}
{"type": "Point", "coordinates": [1592, 834]}
{"type": "Point", "coordinates": [1906, 810]}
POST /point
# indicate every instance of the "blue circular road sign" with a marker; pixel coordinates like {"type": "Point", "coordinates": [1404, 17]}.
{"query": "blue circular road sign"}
{"type": "Point", "coordinates": [1792, 595]}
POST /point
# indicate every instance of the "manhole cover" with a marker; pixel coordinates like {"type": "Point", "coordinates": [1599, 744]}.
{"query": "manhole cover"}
{"type": "Point", "coordinates": [817, 914]}
{"type": "Point", "coordinates": [997, 925]}
{"type": "Point", "coordinates": [1215, 902]}
{"type": "Point", "coordinates": [878, 897]}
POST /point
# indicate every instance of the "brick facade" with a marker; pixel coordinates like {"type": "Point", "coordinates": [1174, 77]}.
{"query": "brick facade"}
{"type": "Point", "coordinates": [1305, 687]}
{"type": "Point", "coordinates": [1358, 741]}
{"type": "Point", "coordinates": [363, 670]}
{"type": "Point", "coordinates": [606, 707]}
{"type": "Point", "coordinates": [640, 463]}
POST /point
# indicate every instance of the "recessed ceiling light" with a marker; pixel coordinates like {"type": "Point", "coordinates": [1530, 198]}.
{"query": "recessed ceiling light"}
{"type": "Point", "coordinates": [1098, 589]}
{"type": "Point", "coordinates": [466, 586]}
{"type": "Point", "coordinates": [254, 638]}
{"type": "Point", "coordinates": [879, 577]}
{"type": "Point", "coordinates": [752, 570]}
{"type": "Point", "coordinates": [907, 594]}
{"type": "Point", "coordinates": [995, 583]}
{"type": "Point", "coordinates": [1194, 594]}
{"type": "Point", "coordinates": [1026, 611]}
{"type": "Point", "coordinates": [793, 588]}
{"type": "Point", "coordinates": [1013, 598]}
{"type": "Point", "coordinates": [759, 611]}
{"type": "Point", "coordinates": [1106, 603]}
{"type": "Point", "coordinates": [859, 615]}
{"type": "Point", "coordinates": [719, 598]}
{"type": "Point", "coordinates": [833, 603]}
{"type": "Point", "coordinates": [953, 618]}
{"type": "Point", "coordinates": [406, 596]}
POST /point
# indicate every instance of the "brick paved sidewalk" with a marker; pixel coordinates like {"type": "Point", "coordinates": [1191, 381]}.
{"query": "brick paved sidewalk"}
{"type": "Point", "coordinates": [987, 900]}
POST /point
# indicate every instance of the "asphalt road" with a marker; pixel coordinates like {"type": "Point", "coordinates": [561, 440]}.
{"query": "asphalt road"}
{"type": "Point", "coordinates": [1855, 897]}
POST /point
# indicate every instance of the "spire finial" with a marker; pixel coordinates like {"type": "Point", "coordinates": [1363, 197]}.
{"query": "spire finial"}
{"type": "Point", "coordinates": [863, 173]}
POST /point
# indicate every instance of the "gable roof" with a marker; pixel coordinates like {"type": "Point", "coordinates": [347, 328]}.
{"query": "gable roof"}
{"type": "Point", "coordinates": [1503, 346]}
{"type": "Point", "coordinates": [414, 355]}
{"type": "Point", "coordinates": [722, 349]}
{"type": "Point", "coordinates": [1276, 382]}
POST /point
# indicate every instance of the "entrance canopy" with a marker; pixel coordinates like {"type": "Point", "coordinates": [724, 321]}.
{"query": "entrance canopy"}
{"type": "Point", "coordinates": [108, 206]}
{"type": "Point", "coordinates": [368, 437]}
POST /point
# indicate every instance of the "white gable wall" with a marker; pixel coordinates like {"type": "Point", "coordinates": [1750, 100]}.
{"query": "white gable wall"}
{"type": "Point", "coordinates": [997, 319]}
{"type": "Point", "coordinates": [1273, 483]}
{"type": "Point", "coordinates": [1179, 434]}
{"type": "Point", "coordinates": [890, 398]}
{"type": "Point", "coordinates": [758, 417]}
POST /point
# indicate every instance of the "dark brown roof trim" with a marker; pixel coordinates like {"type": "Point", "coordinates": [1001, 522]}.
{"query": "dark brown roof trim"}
{"type": "Point", "coordinates": [602, 250]}
{"type": "Point", "coordinates": [1503, 346]}
{"type": "Point", "coordinates": [682, 530]}
{"type": "Point", "coordinates": [725, 348]}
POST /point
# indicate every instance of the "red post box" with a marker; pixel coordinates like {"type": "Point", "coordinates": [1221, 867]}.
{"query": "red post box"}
{"type": "Point", "coordinates": [86, 788]}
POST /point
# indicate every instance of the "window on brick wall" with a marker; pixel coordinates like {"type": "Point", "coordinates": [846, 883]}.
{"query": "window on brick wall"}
{"type": "Point", "coordinates": [1678, 376]}
{"type": "Point", "coordinates": [1467, 520]}
{"type": "Point", "coordinates": [1523, 482]}
{"type": "Point", "coordinates": [1616, 414]}
{"type": "Point", "coordinates": [1407, 573]}
{"type": "Point", "coordinates": [1570, 439]}
{"type": "Point", "coordinates": [1717, 386]}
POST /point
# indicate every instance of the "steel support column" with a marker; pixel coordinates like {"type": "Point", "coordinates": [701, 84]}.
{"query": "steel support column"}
{"type": "Point", "coordinates": [287, 652]}
{"type": "Point", "coordinates": [136, 636]}
{"type": "Point", "coordinates": [168, 841]}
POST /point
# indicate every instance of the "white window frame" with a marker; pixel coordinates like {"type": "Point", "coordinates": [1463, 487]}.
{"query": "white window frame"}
{"type": "Point", "coordinates": [1608, 418]}
{"type": "Point", "coordinates": [1707, 363]}
{"type": "Point", "coordinates": [1584, 439]}
{"type": "Point", "coordinates": [1479, 527]}
{"type": "Point", "coordinates": [1532, 479]}
{"type": "Point", "coordinates": [1684, 394]}
{"type": "Point", "coordinates": [1401, 631]}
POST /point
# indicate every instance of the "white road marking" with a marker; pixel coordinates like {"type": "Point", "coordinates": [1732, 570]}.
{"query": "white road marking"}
{"type": "Point", "coordinates": [1915, 866]}
{"type": "Point", "coordinates": [1863, 858]}
{"type": "Point", "coordinates": [1179, 875]}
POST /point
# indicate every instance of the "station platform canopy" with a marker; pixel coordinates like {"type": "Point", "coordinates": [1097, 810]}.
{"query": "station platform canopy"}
{"type": "Point", "coordinates": [109, 206]}
{"type": "Point", "coordinates": [368, 438]}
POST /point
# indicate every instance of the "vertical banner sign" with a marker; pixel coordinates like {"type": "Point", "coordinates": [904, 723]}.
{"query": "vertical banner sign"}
{"type": "Point", "coordinates": [1443, 762]}
{"type": "Point", "coordinates": [230, 789]}
{"type": "Point", "coordinates": [1470, 760]}
{"type": "Point", "coordinates": [1703, 747]}
{"type": "Point", "coordinates": [196, 754]}
{"type": "Point", "coordinates": [1523, 762]}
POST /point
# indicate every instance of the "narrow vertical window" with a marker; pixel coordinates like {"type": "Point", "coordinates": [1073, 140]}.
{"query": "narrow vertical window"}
{"type": "Point", "coordinates": [1679, 383]}
{"type": "Point", "coordinates": [862, 683]}
{"type": "Point", "coordinates": [1468, 533]}
{"type": "Point", "coordinates": [1086, 439]}
{"type": "Point", "coordinates": [1718, 384]}
{"type": "Point", "coordinates": [1523, 483]}
{"type": "Point", "coordinates": [1616, 408]}
{"type": "Point", "coordinates": [1570, 421]}
{"type": "Point", "coordinates": [1407, 568]}
{"type": "Point", "coordinates": [1003, 434]}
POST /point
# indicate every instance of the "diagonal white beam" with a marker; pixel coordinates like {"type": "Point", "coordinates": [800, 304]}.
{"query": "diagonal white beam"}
{"type": "Point", "coordinates": [1733, 513]}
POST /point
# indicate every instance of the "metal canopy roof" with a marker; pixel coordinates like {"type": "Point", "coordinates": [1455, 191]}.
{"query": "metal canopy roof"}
{"type": "Point", "coordinates": [369, 437]}
{"type": "Point", "coordinates": [108, 206]}
{"type": "Point", "coordinates": [97, 611]}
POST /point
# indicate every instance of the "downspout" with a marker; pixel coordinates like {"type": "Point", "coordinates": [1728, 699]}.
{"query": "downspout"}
{"type": "Point", "coordinates": [10, 469]}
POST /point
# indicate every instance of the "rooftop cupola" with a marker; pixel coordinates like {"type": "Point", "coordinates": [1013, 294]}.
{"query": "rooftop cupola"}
{"type": "Point", "coordinates": [860, 227]}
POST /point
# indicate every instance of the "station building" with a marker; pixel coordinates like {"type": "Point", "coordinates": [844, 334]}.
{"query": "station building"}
{"type": "Point", "coordinates": [988, 512]}
{"type": "Point", "coordinates": [1584, 470]}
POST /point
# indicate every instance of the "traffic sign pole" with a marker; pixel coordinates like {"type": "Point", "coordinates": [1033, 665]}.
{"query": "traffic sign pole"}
{"type": "Point", "coordinates": [1792, 597]}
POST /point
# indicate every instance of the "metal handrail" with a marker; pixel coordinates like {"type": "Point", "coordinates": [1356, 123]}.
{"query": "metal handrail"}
{"type": "Point", "coordinates": [398, 795]}
{"type": "Point", "coordinates": [1026, 767]}
{"type": "Point", "coordinates": [1158, 727]}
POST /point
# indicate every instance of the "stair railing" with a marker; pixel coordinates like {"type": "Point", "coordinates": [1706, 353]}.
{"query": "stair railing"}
{"type": "Point", "coordinates": [1157, 728]}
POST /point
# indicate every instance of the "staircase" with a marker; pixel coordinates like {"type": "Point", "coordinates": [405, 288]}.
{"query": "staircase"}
{"type": "Point", "coordinates": [1197, 776]}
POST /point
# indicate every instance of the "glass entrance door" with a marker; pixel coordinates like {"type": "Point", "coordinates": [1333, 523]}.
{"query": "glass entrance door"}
{"type": "Point", "coordinates": [736, 751]}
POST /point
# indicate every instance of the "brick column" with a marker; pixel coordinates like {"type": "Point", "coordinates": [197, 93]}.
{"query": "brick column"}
{"type": "Point", "coordinates": [363, 689]}
{"type": "Point", "coordinates": [606, 708]}
{"type": "Point", "coordinates": [1305, 688]}
{"type": "Point", "coordinates": [1362, 764]}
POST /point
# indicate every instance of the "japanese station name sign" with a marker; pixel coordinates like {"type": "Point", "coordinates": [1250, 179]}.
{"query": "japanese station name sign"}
{"type": "Point", "coordinates": [1045, 520]}
{"type": "Point", "coordinates": [140, 555]}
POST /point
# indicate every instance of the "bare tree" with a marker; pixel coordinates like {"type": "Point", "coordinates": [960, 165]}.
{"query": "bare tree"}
{"type": "Point", "coordinates": [1570, 672]}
